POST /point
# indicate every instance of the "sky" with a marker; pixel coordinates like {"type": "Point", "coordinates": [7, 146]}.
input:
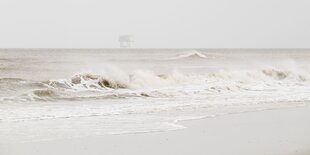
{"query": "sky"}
{"type": "Point", "coordinates": [155, 23]}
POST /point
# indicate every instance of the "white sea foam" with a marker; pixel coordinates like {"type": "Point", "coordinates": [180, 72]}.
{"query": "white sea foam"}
{"type": "Point", "coordinates": [189, 54]}
{"type": "Point", "coordinates": [120, 96]}
{"type": "Point", "coordinates": [145, 83]}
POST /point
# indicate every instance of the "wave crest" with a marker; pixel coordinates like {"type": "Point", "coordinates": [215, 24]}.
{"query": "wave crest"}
{"type": "Point", "coordinates": [188, 55]}
{"type": "Point", "coordinates": [263, 74]}
{"type": "Point", "coordinates": [148, 84]}
{"type": "Point", "coordinates": [98, 80]}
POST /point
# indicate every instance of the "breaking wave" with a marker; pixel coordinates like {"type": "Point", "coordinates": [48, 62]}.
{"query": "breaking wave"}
{"type": "Point", "coordinates": [148, 79]}
{"type": "Point", "coordinates": [264, 74]}
{"type": "Point", "coordinates": [144, 83]}
{"type": "Point", "coordinates": [189, 55]}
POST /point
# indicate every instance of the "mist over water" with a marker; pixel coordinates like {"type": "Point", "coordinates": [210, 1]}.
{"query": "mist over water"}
{"type": "Point", "coordinates": [68, 93]}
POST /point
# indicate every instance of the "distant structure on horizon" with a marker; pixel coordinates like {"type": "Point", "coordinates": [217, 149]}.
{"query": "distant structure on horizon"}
{"type": "Point", "coordinates": [126, 41]}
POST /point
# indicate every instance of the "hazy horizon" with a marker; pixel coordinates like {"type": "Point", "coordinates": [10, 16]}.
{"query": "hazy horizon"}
{"type": "Point", "coordinates": [140, 77]}
{"type": "Point", "coordinates": [154, 24]}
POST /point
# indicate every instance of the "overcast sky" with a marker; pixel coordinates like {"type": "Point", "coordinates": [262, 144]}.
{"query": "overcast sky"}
{"type": "Point", "coordinates": [155, 23]}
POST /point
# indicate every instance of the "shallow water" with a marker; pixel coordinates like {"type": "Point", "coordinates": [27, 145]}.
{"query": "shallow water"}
{"type": "Point", "coordinates": [63, 93]}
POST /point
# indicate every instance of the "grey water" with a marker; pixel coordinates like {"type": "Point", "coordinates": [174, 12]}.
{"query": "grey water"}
{"type": "Point", "coordinates": [65, 93]}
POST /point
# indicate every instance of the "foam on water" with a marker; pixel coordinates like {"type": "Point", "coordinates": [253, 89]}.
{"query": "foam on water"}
{"type": "Point", "coordinates": [62, 100]}
{"type": "Point", "coordinates": [145, 83]}
{"type": "Point", "coordinates": [189, 55]}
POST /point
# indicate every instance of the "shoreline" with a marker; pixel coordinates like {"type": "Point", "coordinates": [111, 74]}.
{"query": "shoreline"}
{"type": "Point", "coordinates": [274, 132]}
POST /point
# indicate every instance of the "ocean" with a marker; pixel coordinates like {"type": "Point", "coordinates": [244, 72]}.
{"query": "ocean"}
{"type": "Point", "coordinates": [48, 94]}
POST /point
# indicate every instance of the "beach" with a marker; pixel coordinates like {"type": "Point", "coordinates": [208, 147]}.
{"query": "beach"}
{"type": "Point", "coordinates": [271, 132]}
{"type": "Point", "coordinates": [158, 77]}
{"type": "Point", "coordinates": [154, 101]}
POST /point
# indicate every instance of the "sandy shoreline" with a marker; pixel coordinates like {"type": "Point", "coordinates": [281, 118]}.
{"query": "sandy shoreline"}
{"type": "Point", "coordinates": [271, 132]}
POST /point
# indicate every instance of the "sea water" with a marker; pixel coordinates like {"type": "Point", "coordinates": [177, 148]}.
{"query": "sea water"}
{"type": "Point", "coordinates": [48, 94]}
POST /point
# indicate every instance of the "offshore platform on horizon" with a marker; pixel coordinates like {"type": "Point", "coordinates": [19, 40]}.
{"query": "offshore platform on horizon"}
{"type": "Point", "coordinates": [126, 41]}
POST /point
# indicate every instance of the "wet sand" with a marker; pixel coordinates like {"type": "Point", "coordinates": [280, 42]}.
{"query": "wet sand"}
{"type": "Point", "coordinates": [271, 132]}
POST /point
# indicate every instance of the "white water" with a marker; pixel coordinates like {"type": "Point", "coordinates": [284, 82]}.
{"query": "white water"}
{"type": "Point", "coordinates": [50, 94]}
